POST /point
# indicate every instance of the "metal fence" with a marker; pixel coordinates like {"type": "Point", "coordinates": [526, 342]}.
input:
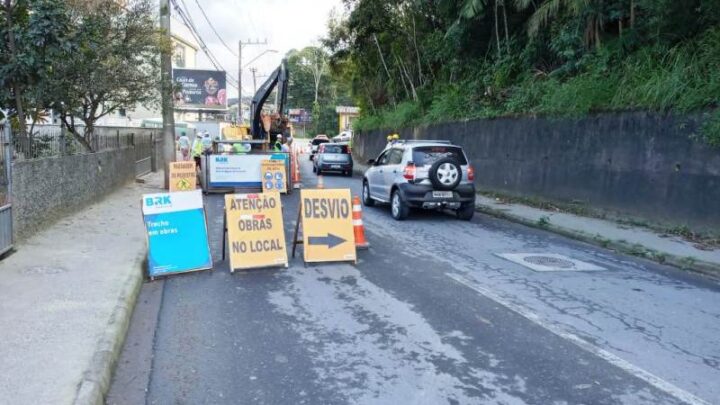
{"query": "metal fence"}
{"type": "Point", "coordinates": [47, 142]}
{"type": "Point", "coordinates": [144, 149]}
{"type": "Point", "coordinates": [6, 224]}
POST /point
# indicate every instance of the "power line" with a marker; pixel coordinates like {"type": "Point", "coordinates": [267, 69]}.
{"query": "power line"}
{"type": "Point", "coordinates": [187, 21]}
{"type": "Point", "coordinates": [213, 28]}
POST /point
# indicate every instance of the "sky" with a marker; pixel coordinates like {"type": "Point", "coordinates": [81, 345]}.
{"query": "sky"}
{"type": "Point", "coordinates": [286, 24]}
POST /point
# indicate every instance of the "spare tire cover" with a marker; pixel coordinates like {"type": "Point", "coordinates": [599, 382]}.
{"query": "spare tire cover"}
{"type": "Point", "coordinates": [445, 173]}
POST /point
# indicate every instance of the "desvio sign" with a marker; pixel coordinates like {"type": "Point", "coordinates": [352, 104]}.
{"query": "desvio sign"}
{"type": "Point", "coordinates": [176, 232]}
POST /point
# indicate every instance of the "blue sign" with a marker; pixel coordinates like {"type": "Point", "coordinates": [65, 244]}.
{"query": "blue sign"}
{"type": "Point", "coordinates": [177, 233]}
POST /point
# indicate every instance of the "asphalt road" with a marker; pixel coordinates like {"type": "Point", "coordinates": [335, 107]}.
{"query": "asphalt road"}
{"type": "Point", "coordinates": [429, 315]}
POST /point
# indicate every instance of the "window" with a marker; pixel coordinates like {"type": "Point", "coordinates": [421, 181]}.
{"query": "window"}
{"type": "Point", "coordinates": [382, 159]}
{"type": "Point", "coordinates": [179, 56]}
{"type": "Point", "coordinates": [427, 155]}
{"type": "Point", "coordinates": [316, 142]}
{"type": "Point", "coordinates": [395, 157]}
{"type": "Point", "coordinates": [329, 148]}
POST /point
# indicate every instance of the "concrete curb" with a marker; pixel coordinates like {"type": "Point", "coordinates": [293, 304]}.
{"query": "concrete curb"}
{"type": "Point", "coordinates": [96, 378]}
{"type": "Point", "coordinates": [710, 270]}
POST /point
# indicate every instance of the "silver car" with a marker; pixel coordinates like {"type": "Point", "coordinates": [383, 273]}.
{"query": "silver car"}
{"type": "Point", "coordinates": [421, 174]}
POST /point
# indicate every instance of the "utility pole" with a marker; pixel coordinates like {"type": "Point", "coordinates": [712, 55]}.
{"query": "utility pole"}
{"type": "Point", "coordinates": [168, 138]}
{"type": "Point", "coordinates": [240, 67]}
{"type": "Point", "coordinates": [254, 71]}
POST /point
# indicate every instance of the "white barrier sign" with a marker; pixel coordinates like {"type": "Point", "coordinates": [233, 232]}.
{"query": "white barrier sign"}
{"type": "Point", "coordinates": [235, 170]}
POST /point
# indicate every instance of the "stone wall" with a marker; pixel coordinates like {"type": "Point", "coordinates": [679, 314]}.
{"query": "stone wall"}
{"type": "Point", "coordinates": [634, 164]}
{"type": "Point", "coordinates": [46, 189]}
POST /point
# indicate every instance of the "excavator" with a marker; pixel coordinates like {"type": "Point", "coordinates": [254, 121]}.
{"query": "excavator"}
{"type": "Point", "coordinates": [265, 127]}
{"type": "Point", "coordinates": [268, 126]}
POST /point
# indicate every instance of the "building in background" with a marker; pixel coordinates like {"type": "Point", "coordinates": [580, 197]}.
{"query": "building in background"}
{"type": "Point", "coordinates": [185, 50]}
{"type": "Point", "coordinates": [300, 119]}
{"type": "Point", "coordinates": [346, 116]}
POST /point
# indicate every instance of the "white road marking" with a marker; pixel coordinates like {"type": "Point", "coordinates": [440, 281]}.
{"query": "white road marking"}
{"type": "Point", "coordinates": [626, 366]}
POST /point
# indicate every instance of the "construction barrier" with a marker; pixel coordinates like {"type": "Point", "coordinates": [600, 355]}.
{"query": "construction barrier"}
{"type": "Point", "coordinates": [358, 227]}
{"type": "Point", "coordinates": [297, 183]}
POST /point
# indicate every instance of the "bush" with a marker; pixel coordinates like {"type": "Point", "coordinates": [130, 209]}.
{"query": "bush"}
{"type": "Point", "coordinates": [683, 78]}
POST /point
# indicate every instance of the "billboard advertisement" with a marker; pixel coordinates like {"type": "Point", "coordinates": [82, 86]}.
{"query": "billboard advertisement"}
{"type": "Point", "coordinates": [199, 89]}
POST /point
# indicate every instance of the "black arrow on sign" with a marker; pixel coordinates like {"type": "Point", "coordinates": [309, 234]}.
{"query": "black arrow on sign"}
{"type": "Point", "coordinates": [330, 240]}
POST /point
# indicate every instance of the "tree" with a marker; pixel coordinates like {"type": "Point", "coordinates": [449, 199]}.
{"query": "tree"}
{"type": "Point", "coordinates": [34, 34]}
{"type": "Point", "coordinates": [116, 65]}
{"type": "Point", "coordinates": [551, 9]}
{"type": "Point", "coordinates": [313, 88]}
{"type": "Point", "coordinates": [301, 90]}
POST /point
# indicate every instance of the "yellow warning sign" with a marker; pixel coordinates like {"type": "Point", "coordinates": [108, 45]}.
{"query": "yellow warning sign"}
{"type": "Point", "coordinates": [273, 175]}
{"type": "Point", "coordinates": [327, 225]}
{"type": "Point", "coordinates": [256, 235]}
{"type": "Point", "coordinates": [182, 176]}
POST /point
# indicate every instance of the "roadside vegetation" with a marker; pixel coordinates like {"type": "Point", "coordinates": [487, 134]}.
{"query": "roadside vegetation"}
{"type": "Point", "coordinates": [314, 89]}
{"type": "Point", "coordinates": [82, 59]}
{"type": "Point", "coordinates": [411, 62]}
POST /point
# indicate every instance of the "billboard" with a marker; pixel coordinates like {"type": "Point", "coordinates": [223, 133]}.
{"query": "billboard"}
{"type": "Point", "coordinates": [199, 89]}
{"type": "Point", "coordinates": [299, 116]}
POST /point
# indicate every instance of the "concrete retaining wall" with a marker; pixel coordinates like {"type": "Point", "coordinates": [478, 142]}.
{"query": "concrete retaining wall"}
{"type": "Point", "coordinates": [46, 189]}
{"type": "Point", "coordinates": [637, 164]}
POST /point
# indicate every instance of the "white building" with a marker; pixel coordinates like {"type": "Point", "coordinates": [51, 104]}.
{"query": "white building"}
{"type": "Point", "coordinates": [185, 50]}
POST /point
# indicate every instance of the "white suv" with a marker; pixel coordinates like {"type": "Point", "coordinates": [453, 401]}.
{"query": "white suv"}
{"type": "Point", "coordinates": [421, 174]}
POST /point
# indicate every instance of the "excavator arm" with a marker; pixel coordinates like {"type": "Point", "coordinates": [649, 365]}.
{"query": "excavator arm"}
{"type": "Point", "coordinates": [279, 78]}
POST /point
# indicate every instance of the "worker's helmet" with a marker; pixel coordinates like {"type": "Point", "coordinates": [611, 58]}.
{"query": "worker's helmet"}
{"type": "Point", "coordinates": [389, 138]}
{"type": "Point", "coordinates": [396, 137]}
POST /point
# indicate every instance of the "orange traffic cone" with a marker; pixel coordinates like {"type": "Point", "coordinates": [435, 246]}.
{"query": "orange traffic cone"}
{"type": "Point", "coordinates": [320, 183]}
{"type": "Point", "coordinates": [358, 227]}
{"type": "Point", "coordinates": [297, 183]}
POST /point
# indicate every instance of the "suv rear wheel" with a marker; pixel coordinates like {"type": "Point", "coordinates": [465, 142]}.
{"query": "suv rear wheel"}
{"type": "Point", "coordinates": [466, 212]}
{"type": "Point", "coordinates": [367, 200]}
{"type": "Point", "coordinates": [398, 208]}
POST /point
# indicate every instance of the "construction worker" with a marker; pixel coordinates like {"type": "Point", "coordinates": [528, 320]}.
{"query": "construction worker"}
{"type": "Point", "coordinates": [277, 147]}
{"type": "Point", "coordinates": [240, 148]}
{"type": "Point", "coordinates": [197, 148]}
{"type": "Point", "coordinates": [389, 141]}
{"type": "Point", "coordinates": [184, 145]}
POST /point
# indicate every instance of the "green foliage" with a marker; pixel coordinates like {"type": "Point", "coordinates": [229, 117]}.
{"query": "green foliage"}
{"type": "Point", "coordinates": [413, 62]}
{"type": "Point", "coordinates": [82, 59]}
{"type": "Point", "coordinates": [543, 221]}
{"type": "Point", "coordinates": [711, 130]}
{"type": "Point", "coordinates": [308, 67]}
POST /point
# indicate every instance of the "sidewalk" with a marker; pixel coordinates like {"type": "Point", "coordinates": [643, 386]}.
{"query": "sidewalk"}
{"type": "Point", "coordinates": [632, 240]}
{"type": "Point", "coordinates": [66, 296]}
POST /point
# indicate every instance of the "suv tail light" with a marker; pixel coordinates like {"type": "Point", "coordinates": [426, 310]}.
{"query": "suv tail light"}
{"type": "Point", "coordinates": [471, 173]}
{"type": "Point", "coordinates": [409, 172]}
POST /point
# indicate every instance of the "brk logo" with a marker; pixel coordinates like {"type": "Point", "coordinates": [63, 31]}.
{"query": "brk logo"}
{"type": "Point", "coordinates": [221, 159]}
{"type": "Point", "coordinates": [159, 201]}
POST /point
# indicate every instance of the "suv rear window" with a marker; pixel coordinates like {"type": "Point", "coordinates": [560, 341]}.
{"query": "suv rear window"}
{"type": "Point", "coordinates": [427, 155]}
{"type": "Point", "coordinates": [319, 141]}
{"type": "Point", "coordinates": [335, 148]}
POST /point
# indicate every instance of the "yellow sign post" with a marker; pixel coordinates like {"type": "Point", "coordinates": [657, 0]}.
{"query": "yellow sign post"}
{"type": "Point", "coordinates": [182, 176]}
{"type": "Point", "coordinates": [273, 176]}
{"type": "Point", "coordinates": [327, 226]}
{"type": "Point", "coordinates": [256, 235]}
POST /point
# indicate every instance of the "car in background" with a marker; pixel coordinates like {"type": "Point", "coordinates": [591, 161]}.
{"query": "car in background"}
{"type": "Point", "coordinates": [333, 157]}
{"type": "Point", "coordinates": [345, 136]}
{"type": "Point", "coordinates": [424, 174]}
{"type": "Point", "coordinates": [315, 143]}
